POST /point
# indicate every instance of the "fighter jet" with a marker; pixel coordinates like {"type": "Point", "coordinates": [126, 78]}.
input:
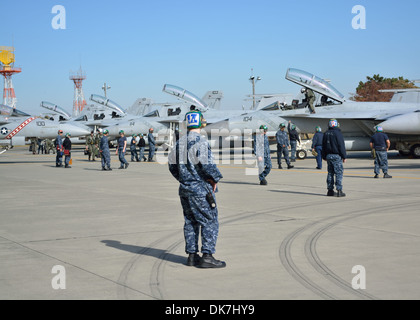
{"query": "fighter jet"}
{"type": "Point", "coordinates": [357, 119]}
{"type": "Point", "coordinates": [16, 127]}
{"type": "Point", "coordinates": [167, 118]}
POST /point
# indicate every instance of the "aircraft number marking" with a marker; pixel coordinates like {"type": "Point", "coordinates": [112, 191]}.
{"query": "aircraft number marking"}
{"type": "Point", "coordinates": [246, 119]}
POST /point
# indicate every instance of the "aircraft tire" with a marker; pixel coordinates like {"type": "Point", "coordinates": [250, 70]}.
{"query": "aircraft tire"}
{"type": "Point", "coordinates": [301, 154]}
{"type": "Point", "coordinates": [415, 151]}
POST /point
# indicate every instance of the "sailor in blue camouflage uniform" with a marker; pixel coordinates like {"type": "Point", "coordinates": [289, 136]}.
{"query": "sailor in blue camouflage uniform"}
{"type": "Point", "coordinates": [59, 148]}
{"type": "Point", "coordinates": [317, 146]}
{"type": "Point", "coordinates": [283, 146]}
{"type": "Point", "coordinates": [381, 144]}
{"type": "Point", "coordinates": [152, 145]}
{"type": "Point", "coordinates": [262, 152]}
{"type": "Point", "coordinates": [104, 151]}
{"type": "Point", "coordinates": [191, 163]}
{"type": "Point", "coordinates": [334, 152]}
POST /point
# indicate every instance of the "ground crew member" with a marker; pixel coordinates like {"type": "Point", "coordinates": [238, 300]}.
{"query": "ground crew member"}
{"type": "Point", "coordinates": [41, 146]}
{"type": "Point", "coordinates": [380, 144]}
{"type": "Point", "coordinates": [142, 145]}
{"type": "Point", "coordinates": [49, 145]}
{"type": "Point", "coordinates": [317, 147]}
{"type": "Point", "coordinates": [33, 145]}
{"type": "Point", "coordinates": [133, 149]}
{"type": "Point", "coordinates": [98, 137]}
{"type": "Point", "coordinates": [104, 151]}
{"type": "Point", "coordinates": [59, 148]}
{"type": "Point", "coordinates": [283, 146]}
{"type": "Point", "coordinates": [90, 145]}
{"type": "Point", "coordinates": [262, 152]}
{"type": "Point", "coordinates": [294, 139]}
{"type": "Point", "coordinates": [334, 152]}
{"type": "Point", "coordinates": [310, 98]}
{"type": "Point", "coordinates": [67, 150]}
{"type": "Point", "coordinates": [152, 144]}
{"type": "Point", "coordinates": [122, 145]}
{"type": "Point", "coordinates": [191, 163]}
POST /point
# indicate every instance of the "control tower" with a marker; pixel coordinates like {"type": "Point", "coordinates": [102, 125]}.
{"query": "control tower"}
{"type": "Point", "coordinates": [79, 101]}
{"type": "Point", "coordinates": [7, 70]}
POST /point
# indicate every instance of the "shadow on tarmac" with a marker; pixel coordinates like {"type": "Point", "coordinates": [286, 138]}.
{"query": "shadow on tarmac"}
{"type": "Point", "coordinates": [239, 182]}
{"type": "Point", "coordinates": [147, 251]}
{"type": "Point", "coordinates": [298, 192]}
{"type": "Point", "coordinates": [24, 162]}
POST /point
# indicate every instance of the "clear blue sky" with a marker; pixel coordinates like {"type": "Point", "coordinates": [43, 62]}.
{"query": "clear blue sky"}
{"type": "Point", "coordinates": [138, 46]}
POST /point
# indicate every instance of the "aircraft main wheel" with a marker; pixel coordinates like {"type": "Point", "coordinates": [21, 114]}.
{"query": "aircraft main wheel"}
{"type": "Point", "coordinates": [415, 151]}
{"type": "Point", "coordinates": [301, 154]}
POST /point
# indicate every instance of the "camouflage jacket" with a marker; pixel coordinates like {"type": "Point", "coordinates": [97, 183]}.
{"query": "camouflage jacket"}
{"type": "Point", "coordinates": [191, 163]}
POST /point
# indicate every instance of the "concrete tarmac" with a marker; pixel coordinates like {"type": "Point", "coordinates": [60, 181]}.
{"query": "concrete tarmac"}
{"type": "Point", "coordinates": [82, 233]}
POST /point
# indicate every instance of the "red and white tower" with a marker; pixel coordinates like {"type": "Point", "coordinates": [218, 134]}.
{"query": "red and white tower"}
{"type": "Point", "coordinates": [79, 101]}
{"type": "Point", "coordinates": [7, 70]}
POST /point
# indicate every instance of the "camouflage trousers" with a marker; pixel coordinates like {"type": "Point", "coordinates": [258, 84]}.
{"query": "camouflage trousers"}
{"type": "Point", "coordinates": [264, 168]}
{"type": "Point", "coordinates": [335, 172]}
{"type": "Point", "coordinates": [381, 162]}
{"type": "Point", "coordinates": [106, 159]}
{"type": "Point", "coordinates": [199, 217]}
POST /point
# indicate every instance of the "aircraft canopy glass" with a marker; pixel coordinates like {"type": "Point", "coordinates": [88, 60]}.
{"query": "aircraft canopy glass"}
{"type": "Point", "coordinates": [107, 103]}
{"type": "Point", "coordinates": [185, 95]}
{"type": "Point", "coordinates": [5, 110]}
{"type": "Point", "coordinates": [55, 108]}
{"type": "Point", "coordinates": [9, 111]}
{"type": "Point", "coordinates": [152, 114]}
{"type": "Point", "coordinates": [315, 83]}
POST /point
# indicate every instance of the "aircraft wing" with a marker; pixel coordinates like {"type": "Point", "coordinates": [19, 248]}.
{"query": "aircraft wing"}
{"type": "Point", "coordinates": [356, 115]}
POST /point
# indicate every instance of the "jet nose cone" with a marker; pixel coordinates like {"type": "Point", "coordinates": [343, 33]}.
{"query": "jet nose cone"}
{"type": "Point", "coordinates": [408, 123]}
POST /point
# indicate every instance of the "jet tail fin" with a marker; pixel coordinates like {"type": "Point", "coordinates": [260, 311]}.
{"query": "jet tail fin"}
{"type": "Point", "coordinates": [404, 95]}
{"type": "Point", "coordinates": [140, 107]}
{"type": "Point", "coordinates": [213, 99]}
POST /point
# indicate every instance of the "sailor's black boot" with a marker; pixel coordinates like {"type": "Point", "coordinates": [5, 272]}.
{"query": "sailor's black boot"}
{"type": "Point", "coordinates": [193, 260]}
{"type": "Point", "coordinates": [330, 193]}
{"type": "Point", "coordinates": [208, 261]}
{"type": "Point", "coordinates": [340, 193]}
